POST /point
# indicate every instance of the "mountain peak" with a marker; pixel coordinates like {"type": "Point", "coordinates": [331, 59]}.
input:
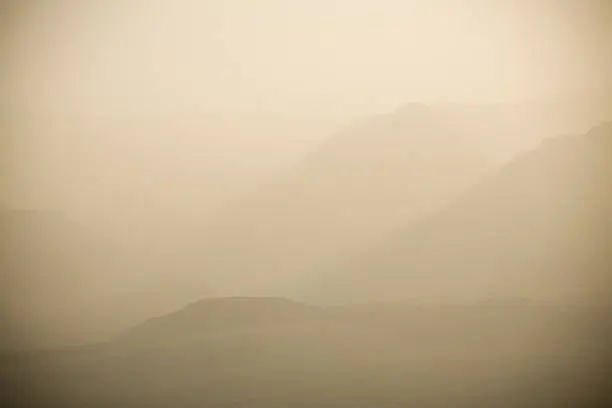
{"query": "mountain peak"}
{"type": "Point", "coordinates": [227, 313]}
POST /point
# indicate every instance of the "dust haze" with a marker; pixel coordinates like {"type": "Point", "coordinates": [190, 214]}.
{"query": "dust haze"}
{"type": "Point", "coordinates": [237, 203]}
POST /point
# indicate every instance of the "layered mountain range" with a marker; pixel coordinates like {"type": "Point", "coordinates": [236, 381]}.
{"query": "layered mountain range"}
{"type": "Point", "coordinates": [540, 226]}
{"type": "Point", "coordinates": [371, 180]}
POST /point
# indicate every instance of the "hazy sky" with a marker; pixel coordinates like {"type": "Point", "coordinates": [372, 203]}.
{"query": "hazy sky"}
{"type": "Point", "coordinates": [131, 115]}
{"type": "Point", "coordinates": [173, 60]}
{"type": "Point", "coordinates": [69, 63]}
{"type": "Point", "coordinates": [349, 56]}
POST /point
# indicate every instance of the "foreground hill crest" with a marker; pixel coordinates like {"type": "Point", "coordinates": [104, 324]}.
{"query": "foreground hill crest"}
{"type": "Point", "coordinates": [227, 313]}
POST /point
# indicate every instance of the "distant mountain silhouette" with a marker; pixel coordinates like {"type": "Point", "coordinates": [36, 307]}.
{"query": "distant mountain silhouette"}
{"type": "Point", "coordinates": [356, 187]}
{"type": "Point", "coordinates": [539, 227]}
{"type": "Point", "coordinates": [368, 180]}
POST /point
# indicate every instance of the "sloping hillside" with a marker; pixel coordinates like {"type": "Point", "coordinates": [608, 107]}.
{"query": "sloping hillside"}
{"type": "Point", "coordinates": [267, 352]}
{"type": "Point", "coordinates": [539, 227]}
{"type": "Point", "coordinates": [356, 187]}
{"type": "Point", "coordinates": [368, 181]}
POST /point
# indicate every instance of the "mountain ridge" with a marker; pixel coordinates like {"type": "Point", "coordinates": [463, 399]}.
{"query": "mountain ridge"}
{"type": "Point", "coordinates": [548, 209]}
